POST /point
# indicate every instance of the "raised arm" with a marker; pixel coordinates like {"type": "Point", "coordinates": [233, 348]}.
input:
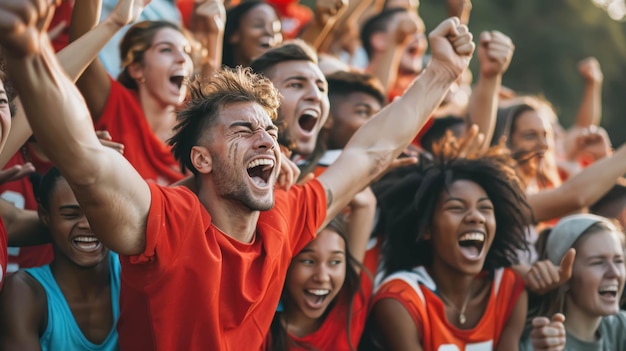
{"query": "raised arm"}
{"type": "Point", "coordinates": [23, 226]}
{"type": "Point", "coordinates": [327, 15]}
{"type": "Point", "coordinates": [115, 198]}
{"type": "Point", "coordinates": [74, 59]}
{"type": "Point", "coordinates": [94, 83]}
{"type": "Point", "coordinates": [360, 222]}
{"type": "Point", "coordinates": [385, 68]}
{"type": "Point", "coordinates": [22, 309]}
{"type": "Point", "coordinates": [379, 141]}
{"type": "Point", "coordinates": [590, 110]}
{"type": "Point", "coordinates": [207, 26]}
{"type": "Point", "coordinates": [581, 190]}
{"type": "Point", "coordinates": [495, 51]}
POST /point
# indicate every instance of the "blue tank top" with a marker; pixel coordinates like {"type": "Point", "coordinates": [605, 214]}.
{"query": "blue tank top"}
{"type": "Point", "coordinates": [62, 332]}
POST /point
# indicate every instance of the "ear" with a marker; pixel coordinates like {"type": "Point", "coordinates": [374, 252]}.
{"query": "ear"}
{"type": "Point", "coordinates": [43, 215]}
{"type": "Point", "coordinates": [135, 70]}
{"type": "Point", "coordinates": [328, 125]}
{"type": "Point", "coordinates": [201, 159]}
{"type": "Point", "coordinates": [379, 41]}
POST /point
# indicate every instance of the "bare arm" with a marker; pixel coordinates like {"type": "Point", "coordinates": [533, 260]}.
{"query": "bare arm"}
{"type": "Point", "coordinates": [397, 328]}
{"type": "Point", "coordinates": [207, 25]}
{"type": "Point", "coordinates": [581, 190]}
{"type": "Point", "coordinates": [22, 311]}
{"type": "Point", "coordinates": [94, 83]}
{"type": "Point", "coordinates": [495, 51]}
{"type": "Point", "coordinates": [327, 15]}
{"type": "Point", "coordinates": [590, 110]}
{"type": "Point", "coordinates": [113, 195]}
{"type": "Point", "coordinates": [360, 222]}
{"type": "Point", "coordinates": [23, 226]}
{"type": "Point", "coordinates": [347, 18]}
{"type": "Point", "coordinates": [74, 59]}
{"type": "Point", "coordinates": [379, 141]}
{"type": "Point", "coordinates": [512, 332]}
{"type": "Point", "coordinates": [386, 67]}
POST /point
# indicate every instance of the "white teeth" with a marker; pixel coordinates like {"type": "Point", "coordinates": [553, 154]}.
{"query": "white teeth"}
{"type": "Point", "coordinates": [261, 162]}
{"type": "Point", "coordinates": [311, 113]}
{"type": "Point", "coordinates": [86, 239]}
{"type": "Point", "coordinates": [473, 237]}
{"type": "Point", "coordinates": [318, 292]}
{"type": "Point", "coordinates": [608, 289]}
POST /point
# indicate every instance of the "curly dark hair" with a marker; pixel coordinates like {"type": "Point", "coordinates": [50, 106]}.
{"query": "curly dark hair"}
{"type": "Point", "coordinates": [407, 210]}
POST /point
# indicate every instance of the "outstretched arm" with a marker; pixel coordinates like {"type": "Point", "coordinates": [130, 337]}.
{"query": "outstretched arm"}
{"type": "Point", "coordinates": [94, 83]}
{"type": "Point", "coordinates": [590, 110]}
{"type": "Point", "coordinates": [113, 195]}
{"type": "Point", "coordinates": [495, 51]}
{"type": "Point", "coordinates": [379, 141]}
{"type": "Point", "coordinates": [581, 190]}
{"type": "Point", "coordinates": [74, 59]}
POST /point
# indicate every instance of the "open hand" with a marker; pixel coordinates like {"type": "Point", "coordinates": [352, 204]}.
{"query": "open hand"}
{"type": "Point", "coordinates": [16, 172]}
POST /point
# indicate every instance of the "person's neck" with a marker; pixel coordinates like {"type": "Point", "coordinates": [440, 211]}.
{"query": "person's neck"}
{"type": "Point", "coordinates": [80, 282]}
{"type": "Point", "coordinates": [230, 217]}
{"type": "Point", "coordinates": [299, 325]}
{"type": "Point", "coordinates": [580, 324]}
{"type": "Point", "coordinates": [452, 284]}
{"type": "Point", "coordinates": [161, 117]}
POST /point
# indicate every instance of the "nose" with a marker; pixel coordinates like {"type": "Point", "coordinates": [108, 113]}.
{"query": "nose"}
{"type": "Point", "coordinates": [543, 143]}
{"type": "Point", "coordinates": [615, 269]}
{"type": "Point", "coordinates": [313, 93]}
{"type": "Point", "coordinates": [264, 140]}
{"type": "Point", "coordinates": [321, 274]}
{"type": "Point", "coordinates": [475, 216]}
{"type": "Point", "coordinates": [83, 223]}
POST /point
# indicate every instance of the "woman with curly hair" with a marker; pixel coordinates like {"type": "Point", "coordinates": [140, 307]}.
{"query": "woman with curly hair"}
{"type": "Point", "coordinates": [453, 230]}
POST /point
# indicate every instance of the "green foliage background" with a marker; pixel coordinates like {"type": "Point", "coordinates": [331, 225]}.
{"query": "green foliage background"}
{"type": "Point", "coordinates": [551, 36]}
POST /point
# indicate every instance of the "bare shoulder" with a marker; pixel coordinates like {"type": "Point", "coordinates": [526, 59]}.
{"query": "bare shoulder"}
{"type": "Point", "coordinates": [22, 293]}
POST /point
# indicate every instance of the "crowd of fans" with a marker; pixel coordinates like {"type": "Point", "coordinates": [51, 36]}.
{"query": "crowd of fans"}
{"type": "Point", "coordinates": [259, 175]}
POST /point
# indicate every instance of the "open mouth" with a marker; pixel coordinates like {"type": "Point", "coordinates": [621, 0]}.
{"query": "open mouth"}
{"type": "Point", "coordinates": [308, 120]}
{"type": "Point", "coordinates": [609, 292]}
{"type": "Point", "coordinates": [87, 243]}
{"type": "Point", "coordinates": [260, 171]}
{"type": "Point", "coordinates": [315, 297]}
{"type": "Point", "coordinates": [472, 244]}
{"type": "Point", "coordinates": [177, 80]}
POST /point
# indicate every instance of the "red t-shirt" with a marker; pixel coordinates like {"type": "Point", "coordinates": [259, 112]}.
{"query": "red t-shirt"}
{"type": "Point", "coordinates": [21, 194]}
{"type": "Point", "coordinates": [332, 334]}
{"type": "Point", "coordinates": [61, 19]}
{"type": "Point", "coordinates": [416, 291]}
{"type": "Point", "coordinates": [127, 124]}
{"type": "Point", "coordinates": [195, 288]}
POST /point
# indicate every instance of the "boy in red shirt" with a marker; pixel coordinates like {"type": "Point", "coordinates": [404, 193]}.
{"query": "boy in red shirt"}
{"type": "Point", "coordinates": [204, 270]}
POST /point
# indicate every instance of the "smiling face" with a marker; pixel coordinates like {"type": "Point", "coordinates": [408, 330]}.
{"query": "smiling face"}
{"type": "Point", "coordinates": [71, 234]}
{"type": "Point", "coordinates": [315, 277]}
{"type": "Point", "coordinates": [598, 275]}
{"type": "Point", "coordinates": [245, 155]}
{"type": "Point", "coordinates": [531, 133]}
{"type": "Point", "coordinates": [5, 115]}
{"type": "Point", "coordinates": [304, 102]}
{"type": "Point", "coordinates": [462, 228]}
{"type": "Point", "coordinates": [165, 66]}
{"type": "Point", "coordinates": [259, 31]}
{"type": "Point", "coordinates": [349, 113]}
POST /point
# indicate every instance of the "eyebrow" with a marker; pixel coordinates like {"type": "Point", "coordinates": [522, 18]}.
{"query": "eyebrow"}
{"type": "Point", "coordinates": [249, 125]}
{"type": "Point", "coordinates": [462, 200]}
{"type": "Point", "coordinates": [334, 252]}
{"type": "Point", "coordinates": [303, 78]}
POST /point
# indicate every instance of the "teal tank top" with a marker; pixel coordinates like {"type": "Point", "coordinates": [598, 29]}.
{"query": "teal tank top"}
{"type": "Point", "coordinates": [62, 332]}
